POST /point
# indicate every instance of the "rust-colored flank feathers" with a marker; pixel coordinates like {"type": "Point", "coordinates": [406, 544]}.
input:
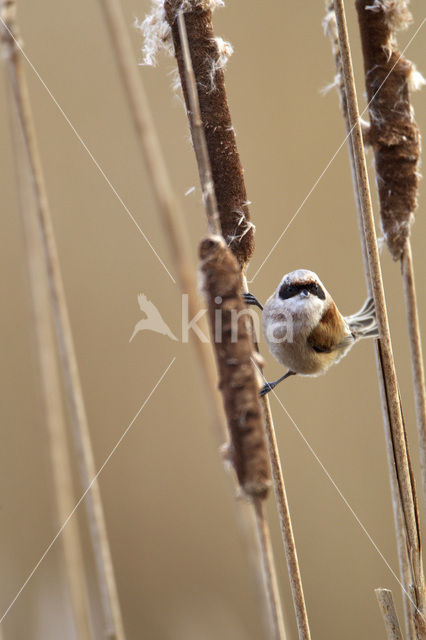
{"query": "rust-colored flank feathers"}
{"type": "Point", "coordinates": [329, 332]}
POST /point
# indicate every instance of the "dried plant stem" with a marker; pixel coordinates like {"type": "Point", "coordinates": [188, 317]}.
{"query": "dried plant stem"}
{"type": "Point", "coordinates": [247, 448]}
{"type": "Point", "coordinates": [197, 130]}
{"type": "Point", "coordinates": [403, 560]}
{"type": "Point", "coordinates": [271, 585]}
{"type": "Point", "coordinates": [168, 205]}
{"type": "Point", "coordinates": [395, 138]}
{"type": "Point", "coordinates": [111, 607]}
{"type": "Point", "coordinates": [416, 353]}
{"type": "Point", "coordinates": [286, 527]}
{"type": "Point", "coordinates": [387, 607]}
{"type": "Point", "coordinates": [49, 373]}
{"type": "Point", "coordinates": [398, 436]}
{"type": "Point", "coordinates": [189, 82]}
{"type": "Point", "coordinates": [331, 29]}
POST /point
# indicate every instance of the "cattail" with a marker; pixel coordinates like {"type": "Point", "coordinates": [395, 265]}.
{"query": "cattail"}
{"type": "Point", "coordinates": [393, 132]}
{"type": "Point", "coordinates": [238, 380]}
{"type": "Point", "coordinates": [208, 56]}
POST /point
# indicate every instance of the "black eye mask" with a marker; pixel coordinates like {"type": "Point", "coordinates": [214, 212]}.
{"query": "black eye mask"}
{"type": "Point", "coordinates": [291, 290]}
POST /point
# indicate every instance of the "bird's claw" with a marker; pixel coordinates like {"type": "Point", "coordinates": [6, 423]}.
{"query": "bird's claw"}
{"type": "Point", "coordinates": [249, 298]}
{"type": "Point", "coordinates": [267, 387]}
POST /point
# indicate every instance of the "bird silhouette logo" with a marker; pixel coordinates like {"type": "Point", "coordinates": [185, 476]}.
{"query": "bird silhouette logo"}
{"type": "Point", "coordinates": [153, 320]}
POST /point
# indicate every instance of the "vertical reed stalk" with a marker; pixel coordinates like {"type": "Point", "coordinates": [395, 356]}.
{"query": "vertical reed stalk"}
{"type": "Point", "coordinates": [387, 607]}
{"type": "Point", "coordinates": [201, 29]}
{"type": "Point", "coordinates": [416, 354]}
{"type": "Point", "coordinates": [397, 435]}
{"type": "Point", "coordinates": [395, 138]}
{"type": "Point", "coordinates": [45, 342]}
{"type": "Point", "coordinates": [174, 223]}
{"type": "Point", "coordinates": [286, 527]}
{"type": "Point", "coordinates": [331, 30]}
{"type": "Point", "coordinates": [167, 203]}
{"type": "Point", "coordinates": [248, 453]}
{"type": "Point", "coordinates": [111, 608]}
{"type": "Point", "coordinates": [271, 584]}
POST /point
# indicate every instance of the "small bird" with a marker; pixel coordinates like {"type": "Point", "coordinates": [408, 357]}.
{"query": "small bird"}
{"type": "Point", "coordinates": [304, 329]}
{"type": "Point", "coordinates": [153, 320]}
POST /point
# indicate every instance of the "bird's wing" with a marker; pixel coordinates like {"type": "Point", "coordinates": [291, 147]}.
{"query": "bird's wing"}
{"type": "Point", "coordinates": [330, 333]}
{"type": "Point", "coordinates": [322, 342]}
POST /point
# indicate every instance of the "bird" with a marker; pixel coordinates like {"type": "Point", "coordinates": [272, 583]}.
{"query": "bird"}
{"type": "Point", "coordinates": [304, 329]}
{"type": "Point", "coordinates": [153, 321]}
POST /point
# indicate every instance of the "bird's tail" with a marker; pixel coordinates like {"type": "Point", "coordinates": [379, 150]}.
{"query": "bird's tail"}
{"type": "Point", "coordinates": [363, 324]}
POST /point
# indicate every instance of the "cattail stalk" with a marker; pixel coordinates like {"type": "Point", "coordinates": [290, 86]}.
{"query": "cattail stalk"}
{"type": "Point", "coordinates": [197, 99]}
{"type": "Point", "coordinates": [111, 608]}
{"type": "Point", "coordinates": [417, 363]}
{"type": "Point", "coordinates": [49, 373]}
{"type": "Point", "coordinates": [398, 435]}
{"type": "Point", "coordinates": [331, 30]}
{"type": "Point", "coordinates": [238, 381]}
{"type": "Point", "coordinates": [387, 608]}
{"type": "Point", "coordinates": [286, 527]}
{"type": "Point", "coordinates": [395, 139]}
{"type": "Point", "coordinates": [168, 205]}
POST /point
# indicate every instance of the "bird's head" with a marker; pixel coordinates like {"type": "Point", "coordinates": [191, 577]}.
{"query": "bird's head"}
{"type": "Point", "coordinates": [301, 292]}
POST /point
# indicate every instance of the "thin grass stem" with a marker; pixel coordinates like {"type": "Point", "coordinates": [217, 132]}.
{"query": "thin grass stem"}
{"type": "Point", "coordinates": [46, 349]}
{"type": "Point", "coordinates": [108, 589]}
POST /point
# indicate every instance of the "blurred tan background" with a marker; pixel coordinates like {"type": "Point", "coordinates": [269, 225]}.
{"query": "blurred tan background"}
{"type": "Point", "coordinates": [178, 550]}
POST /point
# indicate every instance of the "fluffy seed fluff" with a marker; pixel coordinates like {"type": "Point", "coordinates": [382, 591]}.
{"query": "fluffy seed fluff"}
{"type": "Point", "coordinates": [397, 13]}
{"type": "Point", "coordinates": [157, 33]}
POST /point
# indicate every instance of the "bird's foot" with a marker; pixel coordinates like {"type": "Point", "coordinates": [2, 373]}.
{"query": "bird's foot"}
{"type": "Point", "coordinates": [267, 387]}
{"type": "Point", "coordinates": [249, 298]}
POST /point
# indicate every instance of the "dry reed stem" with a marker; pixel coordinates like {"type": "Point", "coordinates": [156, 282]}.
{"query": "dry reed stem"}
{"type": "Point", "coordinates": [395, 138]}
{"type": "Point", "coordinates": [238, 380]}
{"type": "Point", "coordinates": [286, 528]}
{"type": "Point", "coordinates": [416, 354]}
{"type": "Point", "coordinates": [331, 30]}
{"type": "Point", "coordinates": [45, 343]}
{"type": "Point", "coordinates": [387, 608]}
{"type": "Point", "coordinates": [168, 205]}
{"type": "Point", "coordinates": [271, 585]}
{"type": "Point", "coordinates": [109, 596]}
{"type": "Point", "coordinates": [184, 57]}
{"type": "Point", "coordinates": [225, 162]}
{"type": "Point", "coordinates": [398, 436]}
{"type": "Point", "coordinates": [54, 416]}
{"type": "Point", "coordinates": [197, 131]}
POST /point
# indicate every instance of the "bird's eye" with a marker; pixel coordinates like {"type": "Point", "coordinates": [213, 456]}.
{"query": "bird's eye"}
{"type": "Point", "coordinates": [316, 290]}
{"type": "Point", "coordinates": [288, 291]}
